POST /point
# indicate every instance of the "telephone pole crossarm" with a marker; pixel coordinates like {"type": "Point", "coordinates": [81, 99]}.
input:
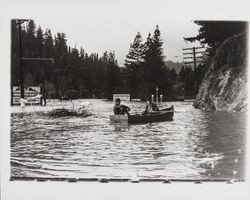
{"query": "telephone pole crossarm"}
{"type": "Point", "coordinates": [39, 59]}
{"type": "Point", "coordinates": [187, 49]}
{"type": "Point", "coordinates": [200, 52]}
{"type": "Point", "coordinates": [187, 53]}
{"type": "Point", "coordinates": [193, 48]}
{"type": "Point", "coordinates": [191, 62]}
{"type": "Point", "coordinates": [203, 47]}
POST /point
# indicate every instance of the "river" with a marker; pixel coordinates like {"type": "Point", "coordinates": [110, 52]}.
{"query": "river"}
{"type": "Point", "coordinates": [195, 145]}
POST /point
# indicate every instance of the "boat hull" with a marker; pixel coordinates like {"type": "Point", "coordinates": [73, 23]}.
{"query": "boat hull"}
{"type": "Point", "coordinates": [158, 116]}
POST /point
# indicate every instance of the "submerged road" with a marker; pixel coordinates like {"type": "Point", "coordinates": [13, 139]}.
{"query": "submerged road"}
{"type": "Point", "coordinates": [195, 145]}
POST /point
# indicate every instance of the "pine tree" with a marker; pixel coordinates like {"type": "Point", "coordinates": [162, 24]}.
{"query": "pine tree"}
{"type": "Point", "coordinates": [73, 69]}
{"type": "Point", "coordinates": [39, 42]}
{"type": "Point", "coordinates": [173, 76]}
{"type": "Point", "coordinates": [134, 56]}
{"type": "Point", "coordinates": [61, 50]}
{"type": "Point", "coordinates": [15, 70]}
{"type": "Point", "coordinates": [132, 64]}
{"type": "Point", "coordinates": [158, 57]}
{"type": "Point", "coordinates": [182, 74]}
{"type": "Point", "coordinates": [214, 33]}
{"type": "Point", "coordinates": [48, 44]}
{"type": "Point", "coordinates": [31, 28]}
{"type": "Point", "coordinates": [29, 40]}
{"type": "Point", "coordinates": [112, 82]}
{"type": "Point", "coordinates": [60, 46]}
{"type": "Point", "coordinates": [153, 64]}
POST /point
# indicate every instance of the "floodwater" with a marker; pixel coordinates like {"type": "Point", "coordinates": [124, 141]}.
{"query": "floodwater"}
{"type": "Point", "coordinates": [195, 145]}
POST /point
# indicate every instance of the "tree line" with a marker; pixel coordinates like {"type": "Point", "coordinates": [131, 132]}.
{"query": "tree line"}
{"type": "Point", "coordinates": [146, 69]}
{"type": "Point", "coordinates": [92, 75]}
{"type": "Point", "coordinates": [73, 69]}
{"type": "Point", "coordinates": [214, 33]}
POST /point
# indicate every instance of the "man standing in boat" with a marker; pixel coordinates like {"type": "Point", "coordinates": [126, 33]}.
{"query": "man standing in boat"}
{"type": "Point", "coordinates": [120, 109]}
{"type": "Point", "coordinates": [150, 107]}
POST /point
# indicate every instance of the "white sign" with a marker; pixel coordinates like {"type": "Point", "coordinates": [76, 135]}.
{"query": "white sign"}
{"type": "Point", "coordinates": [123, 97]}
{"type": "Point", "coordinates": [31, 94]}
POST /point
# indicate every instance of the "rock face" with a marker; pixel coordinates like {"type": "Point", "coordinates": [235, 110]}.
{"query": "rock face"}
{"type": "Point", "coordinates": [224, 86]}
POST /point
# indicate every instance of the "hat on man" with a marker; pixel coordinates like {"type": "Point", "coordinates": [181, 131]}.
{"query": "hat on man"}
{"type": "Point", "coordinates": [149, 99]}
{"type": "Point", "coordinates": [117, 100]}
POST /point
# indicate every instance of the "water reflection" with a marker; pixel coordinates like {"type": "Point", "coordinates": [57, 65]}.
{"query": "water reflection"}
{"type": "Point", "coordinates": [195, 144]}
{"type": "Point", "coordinates": [120, 127]}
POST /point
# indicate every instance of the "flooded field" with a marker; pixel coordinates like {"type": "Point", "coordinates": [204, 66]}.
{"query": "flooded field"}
{"type": "Point", "coordinates": [196, 144]}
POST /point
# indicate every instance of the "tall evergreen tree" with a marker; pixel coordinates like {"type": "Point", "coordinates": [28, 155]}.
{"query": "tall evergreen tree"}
{"type": "Point", "coordinates": [15, 69]}
{"type": "Point", "coordinates": [28, 40]}
{"type": "Point", "coordinates": [60, 46]}
{"type": "Point", "coordinates": [214, 33]}
{"type": "Point", "coordinates": [73, 69]}
{"type": "Point", "coordinates": [112, 82]}
{"type": "Point", "coordinates": [134, 56]}
{"type": "Point", "coordinates": [132, 63]}
{"type": "Point", "coordinates": [182, 74]}
{"type": "Point", "coordinates": [173, 76]}
{"type": "Point", "coordinates": [154, 62]}
{"type": "Point", "coordinates": [48, 44]}
{"type": "Point", "coordinates": [39, 42]}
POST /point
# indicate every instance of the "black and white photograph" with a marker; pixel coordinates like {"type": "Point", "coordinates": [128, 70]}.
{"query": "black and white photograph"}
{"type": "Point", "coordinates": [108, 92]}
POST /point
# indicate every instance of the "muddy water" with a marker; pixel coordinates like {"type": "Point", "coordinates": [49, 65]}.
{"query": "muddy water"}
{"type": "Point", "coordinates": [196, 144]}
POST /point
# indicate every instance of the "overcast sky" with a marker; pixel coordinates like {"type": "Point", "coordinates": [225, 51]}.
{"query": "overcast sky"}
{"type": "Point", "coordinates": [112, 25]}
{"type": "Point", "coordinates": [99, 25]}
{"type": "Point", "coordinates": [98, 35]}
{"type": "Point", "coordinates": [117, 34]}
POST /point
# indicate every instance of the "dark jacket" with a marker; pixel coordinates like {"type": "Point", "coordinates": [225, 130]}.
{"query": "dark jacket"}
{"type": "Point", "coordinates": [121, 109]}
{"type": "Point", "coordinates": [151, 107]}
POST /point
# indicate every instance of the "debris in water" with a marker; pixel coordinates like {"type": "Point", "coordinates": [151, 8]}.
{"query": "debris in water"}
{"type": "Point", "coordinates": [230, 182]}
{"type": "Point", "coordinates": [211, 164]}
{"type": "Point", "coordinates": [65, 112]}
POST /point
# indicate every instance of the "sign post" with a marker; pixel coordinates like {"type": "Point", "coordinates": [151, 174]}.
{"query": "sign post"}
{"type": "Point", "coordinates": [156, 98]}
{"type": "Point", "coordinates": [21, 55]}
{"type": "Point", "coordinates": [32, 95]}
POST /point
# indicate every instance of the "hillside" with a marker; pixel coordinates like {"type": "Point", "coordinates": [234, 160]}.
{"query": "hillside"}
{"type": "Point", "coordinates": [224, 86]}
{"type": "Point", "coordinates": [176, 65]}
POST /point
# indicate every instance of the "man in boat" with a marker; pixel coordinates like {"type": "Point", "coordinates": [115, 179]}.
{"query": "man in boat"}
{"type": "Point", "coordinates": [120, 109]}
{"type": "Point", "coordinates": [150, 107]}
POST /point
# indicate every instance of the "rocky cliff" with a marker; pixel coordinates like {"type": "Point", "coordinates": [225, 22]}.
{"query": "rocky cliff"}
{"type": "Point", "coordinates": [224, 86]}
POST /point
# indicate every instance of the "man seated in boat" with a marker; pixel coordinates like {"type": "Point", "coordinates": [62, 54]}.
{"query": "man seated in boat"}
{"type": "Point", "coordinates": [120, 109]}
{"type": "Point", "coordinates": [150, 107]}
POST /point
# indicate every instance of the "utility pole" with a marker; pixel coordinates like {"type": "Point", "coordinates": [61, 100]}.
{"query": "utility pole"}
{"type": "Point", "coordinates": [193, 52]}
{"type": "Point", "coordinates": [156, 98]}
{"type": "Point", "coordinates": [20, 22]}
{"type": "Point", "coordinates": [43, 91]}
{"type": "Point", "coordinates": [21, 59]}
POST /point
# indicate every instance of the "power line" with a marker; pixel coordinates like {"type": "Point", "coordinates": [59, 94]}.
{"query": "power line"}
{"type": "Point", "coordinates": [39, 59]}
{"type": "Point", "coordinates": [177, 31]}
{"type": "Point", "coordinates": [171, 30]}
{"type": "Point", "coordinates": [175, 41]}
{"type": "Point", "coordinates": [174, 47]}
